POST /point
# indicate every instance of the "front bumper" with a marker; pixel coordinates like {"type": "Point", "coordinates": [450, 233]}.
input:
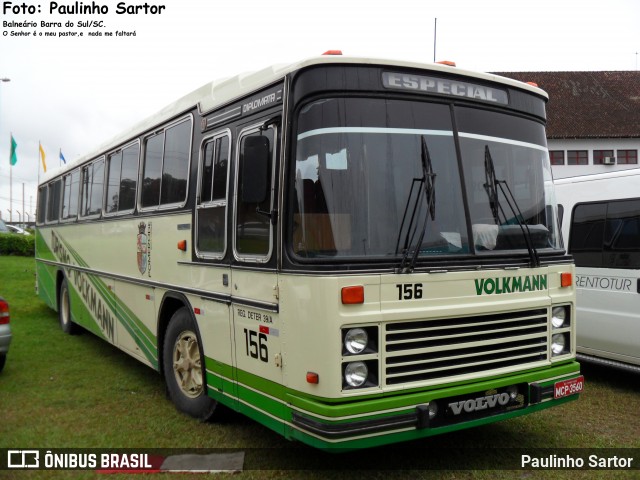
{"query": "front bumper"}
{"type": "Point", "coordinates": [435, 411]}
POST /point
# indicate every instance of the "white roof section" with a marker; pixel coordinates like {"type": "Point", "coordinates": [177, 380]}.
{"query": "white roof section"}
{"type": "Point", "coordinates": [224, 91]}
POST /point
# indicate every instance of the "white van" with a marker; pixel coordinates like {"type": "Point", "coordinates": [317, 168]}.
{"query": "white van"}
{"type": "Point", "coordinates": [600, 217]}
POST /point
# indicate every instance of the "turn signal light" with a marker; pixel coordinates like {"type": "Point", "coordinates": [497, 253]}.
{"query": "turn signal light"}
{"type": "Point", "coordinates": [566, 279]}
{"type": "Point", "coordinates": [313, 377]}
{"type": "Point", "coordinates": [352, 295]}
{"type": "Point", "coordinates": [182, 245]}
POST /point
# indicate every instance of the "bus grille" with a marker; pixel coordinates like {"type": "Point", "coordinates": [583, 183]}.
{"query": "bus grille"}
{"type": "Point", "coordinates": [424, 350]}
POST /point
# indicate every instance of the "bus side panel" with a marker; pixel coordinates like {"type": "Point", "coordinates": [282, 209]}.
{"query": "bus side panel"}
{"type": "Point", "coordinates": [608, 313]}
{"type": "Point", "coordinates": [215, 332]}
{"type": "Point", "coordinates": [45, 274]}
{"type": "Point", "coordinates": [136, 315]}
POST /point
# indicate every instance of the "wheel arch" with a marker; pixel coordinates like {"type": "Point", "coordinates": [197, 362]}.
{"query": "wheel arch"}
{"type": "Point", "coordinates": [60, 277]}
{"type": "Point", "coordinates": [171, 303]}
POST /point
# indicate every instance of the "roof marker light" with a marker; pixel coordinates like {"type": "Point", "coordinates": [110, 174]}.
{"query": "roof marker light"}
{"type": "Point", "coordinates": [448, 63]}
{"type": "Point", "coordinates": [333, 52]}
{"type": "Point", "coordinates": [533, 84]}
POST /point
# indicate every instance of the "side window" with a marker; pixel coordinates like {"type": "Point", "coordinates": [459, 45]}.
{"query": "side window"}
{"type": "Point", "coordinates": [587, 234]}
{"type": "Point", "coordinates": [70, 190]}
{"type": "Point", "coordinates": [622, 235]}
{"type": "Point", "coordinates": [53, 201]}
{"type": "Point", "coordinates": [42, 204]}
{"type": "Point", "coordinates": [92, 188]}
{"type": "Point", "coordinates": [122, 180]}
{"type": "Point", "coordinates": [253, 233]}
{"type": "Point", "coordinates": [166, 166]}
{"type": "Point", "coordinates": [212, 197]}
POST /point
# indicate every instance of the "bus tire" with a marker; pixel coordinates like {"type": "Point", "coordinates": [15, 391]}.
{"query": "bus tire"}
{"type": "Point", "coordinates": [183, 363]}
{"type": "Point", "coordinates": [64, 310]}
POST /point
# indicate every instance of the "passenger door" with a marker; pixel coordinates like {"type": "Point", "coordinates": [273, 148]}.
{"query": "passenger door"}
{"type": "Point", "coordinates": [254, 279]}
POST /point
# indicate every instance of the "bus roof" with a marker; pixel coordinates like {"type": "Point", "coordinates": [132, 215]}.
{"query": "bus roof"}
{"type": "Point", "coordinates": [223, 91]}
{"type": "Point", "coordinates": [629, 172]}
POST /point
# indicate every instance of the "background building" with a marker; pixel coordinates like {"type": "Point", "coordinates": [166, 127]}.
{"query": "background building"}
{"type": "Point", "coordinates": [593, 119]}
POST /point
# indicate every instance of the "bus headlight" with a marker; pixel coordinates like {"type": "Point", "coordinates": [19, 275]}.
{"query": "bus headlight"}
{"type": "Point", "coordinates": [559, 344]}
{"type": "Point", "coordinates": [560, 317]}
{"type": "Point", "coordinates": [359, 340]}
{"type": "Point", "coordinates": [355, 340]}
{"type": "Point", "coordinates": [355, 374]}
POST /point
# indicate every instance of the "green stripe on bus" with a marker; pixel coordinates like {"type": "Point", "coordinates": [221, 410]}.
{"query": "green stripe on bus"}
{"type": "Point", "coordinates": [141, 335]}
{"type": "Point", "coordinates": [42, 249]}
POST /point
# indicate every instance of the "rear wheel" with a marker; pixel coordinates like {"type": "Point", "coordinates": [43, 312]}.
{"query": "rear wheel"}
{"type": "Point", "coordinates": [183, 363]}
{"type": "Point", "coordinates": [64, 310]}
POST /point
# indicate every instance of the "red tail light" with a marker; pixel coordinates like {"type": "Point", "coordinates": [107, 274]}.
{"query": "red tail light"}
{"type": "Point", "coordinates": [4, 312]}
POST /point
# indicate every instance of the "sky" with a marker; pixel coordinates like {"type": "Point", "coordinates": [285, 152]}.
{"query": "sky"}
{"type": "Point", "coordinates": [70, 94]}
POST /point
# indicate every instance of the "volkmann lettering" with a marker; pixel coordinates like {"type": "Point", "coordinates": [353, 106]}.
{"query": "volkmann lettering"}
{"type": "Point", "coordinates": [500, 285]}
{"type": "Point", "coordinates": [83, 284]}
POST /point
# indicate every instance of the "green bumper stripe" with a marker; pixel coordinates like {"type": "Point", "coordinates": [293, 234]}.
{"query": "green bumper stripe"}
{"type": "Point", "coordinates": [386, 420]}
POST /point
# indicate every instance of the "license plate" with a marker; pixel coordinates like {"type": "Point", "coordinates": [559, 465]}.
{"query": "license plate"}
{"type": "Point", "coordinates": [568, 387]}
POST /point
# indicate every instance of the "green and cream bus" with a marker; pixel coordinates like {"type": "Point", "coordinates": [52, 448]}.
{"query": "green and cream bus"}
{"type": "Point", "coordinates": [352, 252]}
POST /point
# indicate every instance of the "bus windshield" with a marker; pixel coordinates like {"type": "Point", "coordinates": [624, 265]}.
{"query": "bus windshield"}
{"type": "Point", "coordinates": [361, 191]}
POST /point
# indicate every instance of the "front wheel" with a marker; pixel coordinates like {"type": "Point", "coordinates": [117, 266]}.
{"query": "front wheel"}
{"type": "Point", "coordinates": [183, 363]}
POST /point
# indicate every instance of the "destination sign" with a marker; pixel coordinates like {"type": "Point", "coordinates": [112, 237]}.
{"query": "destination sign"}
{"type": "Point", "coordinates": [443, 86]}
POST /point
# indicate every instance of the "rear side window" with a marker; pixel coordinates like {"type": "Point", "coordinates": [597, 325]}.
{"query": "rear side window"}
{"type": "Point", "coordinates": [166, 166]}
{"type": "Point", "coordinates": [606, 234]}
{"type": "Point", "coordinates": [42, 204]}
{"type": "Point", "coordinates": [53, 201]}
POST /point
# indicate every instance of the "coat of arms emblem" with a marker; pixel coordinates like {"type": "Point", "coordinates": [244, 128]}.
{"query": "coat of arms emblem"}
{"type": "Point", "coordinates": [143, 251]}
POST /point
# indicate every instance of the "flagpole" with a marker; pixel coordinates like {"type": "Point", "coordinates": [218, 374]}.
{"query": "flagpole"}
{"type": "Point", "coordinates": [38, 163]}
{"type": "Point", "coordinates": [10, 185]}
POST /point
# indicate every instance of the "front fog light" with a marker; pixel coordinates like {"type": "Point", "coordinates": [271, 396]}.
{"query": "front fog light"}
{"type": "Point", "coordinates": [558, 344]}
{"type": "Point", "coordinates": [558, 317]}
{"type": "Point", "coordinates": [355, 374]}
{"type": "Point", "coordinates": [355, 340]}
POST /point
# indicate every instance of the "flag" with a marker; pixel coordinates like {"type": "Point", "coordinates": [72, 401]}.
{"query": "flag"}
{"type": "Point", "coordinates": [62, 159]}
{"type": "Point", "coordinates": [14, 158]}
{"type": "Point", "coordinates": [42, 156]}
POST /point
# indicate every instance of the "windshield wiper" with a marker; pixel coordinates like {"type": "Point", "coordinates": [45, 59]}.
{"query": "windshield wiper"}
{"type": "Point", "coordinates": [492, 186]}
{"type": "Point", "coordinates": [426, 185]}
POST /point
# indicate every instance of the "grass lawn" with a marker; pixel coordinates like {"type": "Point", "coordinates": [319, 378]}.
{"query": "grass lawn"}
{"type": "Point", "coordinates": [61, 391]}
